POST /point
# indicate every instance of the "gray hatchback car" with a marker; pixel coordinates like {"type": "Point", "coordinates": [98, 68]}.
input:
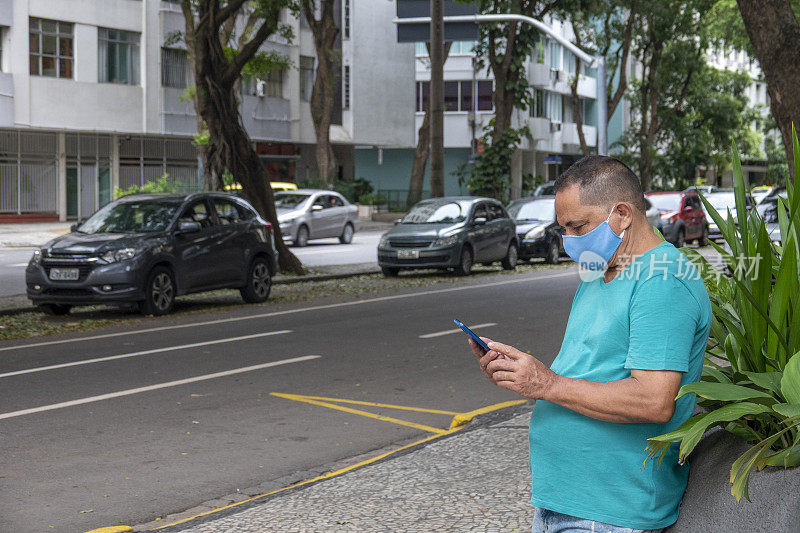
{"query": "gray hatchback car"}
{"type": "Point", "coordinates": [308, 214]}
{"type": "Point", "coordinates": [450, 233]}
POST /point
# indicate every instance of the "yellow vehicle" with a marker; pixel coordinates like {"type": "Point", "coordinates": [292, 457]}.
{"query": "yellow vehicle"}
{"type": "Point", "coordinates": [235, 188]}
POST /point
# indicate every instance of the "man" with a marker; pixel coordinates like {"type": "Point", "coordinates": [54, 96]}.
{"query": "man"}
{"type": "Point", "coordinates": [636, 333]}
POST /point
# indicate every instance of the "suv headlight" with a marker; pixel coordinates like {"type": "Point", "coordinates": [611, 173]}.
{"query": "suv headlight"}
{"type": "Point", "coordinates": [446, 241]}
{"type": "Point", "coordinates": [37, 257]}
{"type": "Point", "coordinates": [113, 256]}
{"type": "Point", "coordinates": [384, 242]}
{"type": "Point", "coordinates": [535, 233]}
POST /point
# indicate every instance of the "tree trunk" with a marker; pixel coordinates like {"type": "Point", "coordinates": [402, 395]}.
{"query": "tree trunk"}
{"type": "Point", "coordinates": [420, 160]}
{"type": "Point", "coordinates": [325, 33]}
{"type": "Point", "coordinates": [229, 145]}
{"type": "Point", "coordinates": [775, 33]}
{"type": "Point", "coordinates": [423, 147]}
{"type": "Point", "coordinates": [577, 105]}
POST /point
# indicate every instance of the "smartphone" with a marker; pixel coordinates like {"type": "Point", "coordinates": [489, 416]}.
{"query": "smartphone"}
{"type": "Point", "coordinates": [471, 334]}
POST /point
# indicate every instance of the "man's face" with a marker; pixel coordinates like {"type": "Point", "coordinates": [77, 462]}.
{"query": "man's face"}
{"type": "Point", "coordinates": [575, 217]}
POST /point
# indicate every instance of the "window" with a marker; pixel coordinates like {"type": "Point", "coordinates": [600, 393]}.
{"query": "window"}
{"type": "Point", "coordinates": [485, 95]}
{"type": "Point", "coordinates": [420, 50]}
{"type": "Point", "coordinates": [423, 92]}
{"type": "Point", "coordinates": [346, 19]}
{"type": "Point", "coordinates": [227, 211]}
{"type": "Point", "coordinates": [175, 71]}
{"type": "Point", "coordinates": [589, 112]}
{"type": "Point", "coordinates": [272, 84]}
{"type": "Point", "coordinates": [197, 213]}
{"type": "Point", "coordinates": [555, 55]}
{"type": "Point", "coordinates": [346, 88]}
{"type": "Point", "coordinates": [466, 96]}
{"type": "Point", "coordinates": [2, 36]}
{"type": "Point", "coordinates": [570, 58]}
{"type": "Point", "coordinates": [118, 60]}
{"type": "Point", "coordinates": [539, 107]}
{"type": "Point", "coordinates": [539, 51]}
{"type": "Point", "coordinates": [51, 51]}
{"type": "Point", "coordinates": [461, 47]}
{"type": "Point", "coordinates": [306, 77]}
{"type": "Point", "coordinates": [451, 96]}
{"type": "Point", "coordinates": [554, 109]}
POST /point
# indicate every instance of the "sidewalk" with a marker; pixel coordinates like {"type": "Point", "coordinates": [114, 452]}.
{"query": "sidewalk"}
{"type": "Point", "coordinates": [475, 479]}
{"type": "Point", "coordinates": [31, 234]}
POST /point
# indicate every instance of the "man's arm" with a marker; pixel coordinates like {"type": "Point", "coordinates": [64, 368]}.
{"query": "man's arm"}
{"type": "Point", "coordinates": [647, 396]}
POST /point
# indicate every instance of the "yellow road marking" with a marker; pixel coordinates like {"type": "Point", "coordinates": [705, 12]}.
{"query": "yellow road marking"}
{"type": "Point", "coordinates": [462, 418]}
{"type": "Point", "coordinates": [306, 399]}
{"type": "Point", "coordinates": [358, 402]}
{"type": "Point", "coordinates": [112, 529]}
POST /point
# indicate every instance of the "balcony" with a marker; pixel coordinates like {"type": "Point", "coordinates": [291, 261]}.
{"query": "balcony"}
{"type": "Point", "coordinates": [570, 139]}
{"type": "Point", "coordinates": [6, 99]}
{"type": "Point", "coordinates": [540, 128]}
{"type": "Point", "coordinates": [7, 12]}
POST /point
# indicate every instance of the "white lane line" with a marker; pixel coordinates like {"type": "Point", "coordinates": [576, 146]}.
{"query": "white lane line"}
{"type": "Point", "coordinates": [570, 272]}
{"type": "Point", "coordinates": [449, 331]}
{"type": "Point", "coordinates": [176, 383]}
{"type": "Point", "coordinates": [18, 265]}
{"type": "Point", "coordinates": [145, 352]}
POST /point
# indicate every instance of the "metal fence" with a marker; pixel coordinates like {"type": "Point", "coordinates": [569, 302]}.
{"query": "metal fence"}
{"type": "Point", "coordinates": [28, 172]}
{"type": "Point", "coordinates": [396, 200]}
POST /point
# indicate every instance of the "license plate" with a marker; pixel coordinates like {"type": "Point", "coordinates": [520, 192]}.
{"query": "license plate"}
{"type": "Point", "coordinates": [408, 254]}
{"type": "Point", "coordinates": [64, 274]}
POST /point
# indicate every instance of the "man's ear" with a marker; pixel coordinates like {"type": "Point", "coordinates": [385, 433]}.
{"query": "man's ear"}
{"type": "Point", "coordinates": [626, 213]}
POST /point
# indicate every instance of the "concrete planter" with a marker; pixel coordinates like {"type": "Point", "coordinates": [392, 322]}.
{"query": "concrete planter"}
{"type": "Point", "coordinates": [708, 505]}
{"type": "Point", "coordinates": [365, 212]}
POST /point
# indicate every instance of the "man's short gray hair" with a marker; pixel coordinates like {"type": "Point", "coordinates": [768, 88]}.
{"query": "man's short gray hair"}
{"type": "Point", "coordinates": [603, 181]}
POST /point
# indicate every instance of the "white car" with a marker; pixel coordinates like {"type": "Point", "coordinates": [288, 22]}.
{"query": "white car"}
{"type": "Point", "coordinates": [307, 214]}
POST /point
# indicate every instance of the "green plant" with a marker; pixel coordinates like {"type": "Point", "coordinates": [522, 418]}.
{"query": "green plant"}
{"type": "Point", "coordinates": [756, 395]}
{"type": "Point", "coordinates": [162, 184]}
{"type": "Point", "coordinates": [312, 183]}
{"type": "Point", "coordinates": [353, 190]}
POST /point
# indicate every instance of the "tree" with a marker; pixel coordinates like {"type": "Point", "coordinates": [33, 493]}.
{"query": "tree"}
{"type": "Point", "coordinates": [325, 33]}
{"type": "Point", "coordinates": [775, 33]}
{"type": "Point", "coordinates": [669, 46]}
{"type": "Point", "coordinates": [423, 145]}
{"type": "Point", "coordinates": [218, 71]}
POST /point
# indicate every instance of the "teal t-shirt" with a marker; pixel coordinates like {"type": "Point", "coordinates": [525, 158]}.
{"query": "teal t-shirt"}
{"type": "Point", "coordinates": [655, 315]}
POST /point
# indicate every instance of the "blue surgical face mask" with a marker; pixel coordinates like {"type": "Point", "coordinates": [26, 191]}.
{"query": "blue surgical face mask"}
{"type": "Point", "coordinates": [593, 251]}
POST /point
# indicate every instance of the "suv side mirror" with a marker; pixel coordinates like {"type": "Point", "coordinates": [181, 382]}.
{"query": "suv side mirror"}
{"type": "Point", "coordinates": [316, 208]}
{"type": "Point", "coordinates": [186, 226]}
{"type": "Point", "coordinates": [480, 221]}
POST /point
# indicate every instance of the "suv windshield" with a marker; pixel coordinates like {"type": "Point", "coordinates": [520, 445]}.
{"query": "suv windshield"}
{"type": "Point", "coordinates": [436, 212]}
{"type": "Point", "coordinates": [666, 202]}
{"type": "Point", "coordinates": [290, 201]}
{"type": "Point", "coordinates": [132, 217]}
{"type": "Point", "coordinates": [537, 210]}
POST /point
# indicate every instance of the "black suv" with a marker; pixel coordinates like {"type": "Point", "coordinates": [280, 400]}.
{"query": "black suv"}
{"type": "Point", "coordinates": [146, 249]}
{"type": "Point", "coordinates": [452, 232]}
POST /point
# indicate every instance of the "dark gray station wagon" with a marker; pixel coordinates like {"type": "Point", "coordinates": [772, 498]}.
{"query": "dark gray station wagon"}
{"type": "Point", "coordinates": [450, 233]}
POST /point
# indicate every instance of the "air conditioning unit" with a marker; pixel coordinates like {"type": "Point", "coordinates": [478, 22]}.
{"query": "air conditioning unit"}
{"type": "Point", "coordinates": [260, 85]}
{"type": "Point", "coordinates": [555, 126]}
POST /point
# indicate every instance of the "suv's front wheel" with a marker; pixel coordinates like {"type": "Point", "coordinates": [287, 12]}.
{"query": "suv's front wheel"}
{"type": "Point", "coordinates": [159, 292]}
{"type": "Point", "coordinates": [55, 309]}
{"type": "Point", "coordinates": [259, 282]}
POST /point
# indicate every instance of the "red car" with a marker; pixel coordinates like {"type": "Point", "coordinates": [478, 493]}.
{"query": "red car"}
{"type": "Point", "coordinates": [681, 217]}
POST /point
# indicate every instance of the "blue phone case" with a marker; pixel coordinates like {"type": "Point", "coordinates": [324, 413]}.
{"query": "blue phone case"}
{"type": "Point", "coordinates": [471, 334]}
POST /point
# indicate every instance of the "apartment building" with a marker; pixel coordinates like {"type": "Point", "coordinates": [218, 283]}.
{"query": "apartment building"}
{"type": "Point", "coordinates": [468, 108]}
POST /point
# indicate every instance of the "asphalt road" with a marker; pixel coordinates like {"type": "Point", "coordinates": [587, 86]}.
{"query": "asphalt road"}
{"type": "Point", "coordinates": [152, 447]}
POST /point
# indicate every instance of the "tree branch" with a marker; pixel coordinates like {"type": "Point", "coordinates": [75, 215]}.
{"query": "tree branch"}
{"type": "Point", "coordinates": [250, 48]}
{"type": "Point", "coordinates": [230, 10]}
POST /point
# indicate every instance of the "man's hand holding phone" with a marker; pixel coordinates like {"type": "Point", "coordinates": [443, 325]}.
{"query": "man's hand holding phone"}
{"type": "Point", "coordinates": [484, 357]}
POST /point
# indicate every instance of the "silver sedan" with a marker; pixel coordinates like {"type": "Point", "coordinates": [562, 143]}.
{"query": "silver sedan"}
{"type": "Point", "coordinates": [308, 214]}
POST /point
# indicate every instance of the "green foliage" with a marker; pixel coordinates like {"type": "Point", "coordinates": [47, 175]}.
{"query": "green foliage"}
{"type": "Point", "coordinates": [756, 395]}
{"type": "Point", "coordinates": [353, 190]}
{"type": "Point", "coordinates": [201, 138]}
{"type": "Point", "coordinates": [162, 184]}
{"type": "Point", "coordinates": [262, 63]}
{"type": "Point", "coordinates": [490, 174]}
{"type": "Point", "coordinates": [188, 94]}
{"type": "Point", "coordinates": [372, 199]}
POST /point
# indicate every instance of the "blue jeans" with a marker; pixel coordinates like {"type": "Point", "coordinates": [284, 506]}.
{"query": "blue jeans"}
{"type": "Point", "coordinates": [546, 521]}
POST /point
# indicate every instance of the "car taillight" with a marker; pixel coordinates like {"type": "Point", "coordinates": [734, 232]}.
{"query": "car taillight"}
{"type": "Point", "coordinates": [268, 225]}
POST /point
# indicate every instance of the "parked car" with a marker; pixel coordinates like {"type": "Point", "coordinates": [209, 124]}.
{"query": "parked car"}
{"type": "Point", "coordinates": [538, 232]}
{"type": "Point", "coordinates": [652, 213]}
{"type": "Point", "coordinates": [705, 189]}
{"type": "Point", "coordinates": [682, 218]}
{"type": "Point", "coordinates": [236, 188]}
{"type": "Point", "coordinates": [762, 192]}
{"type": "Point", "coordinates": [723, 201]}
{"type": "Point", "coordinates": [450, 233]}
{"type": "Point", "coordinates": [146, 249]}
{"type": "Point", "coordinates": [307, 214]}
{"type": "Point", "coordinates": [768, 210]}
{"type": "Point", "coordinates": [547, 188]}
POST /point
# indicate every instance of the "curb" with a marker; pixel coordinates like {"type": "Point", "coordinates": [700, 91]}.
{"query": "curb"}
{"type": "Point", "coordinates": [281, 281]}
